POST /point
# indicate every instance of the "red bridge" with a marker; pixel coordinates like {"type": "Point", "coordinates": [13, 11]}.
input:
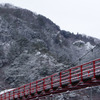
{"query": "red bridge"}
{"type": "Point", "coordinates": [82, 76]}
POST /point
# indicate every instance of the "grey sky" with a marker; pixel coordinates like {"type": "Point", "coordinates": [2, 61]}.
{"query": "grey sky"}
{"type": "Point", "coordinates": [82, 16]}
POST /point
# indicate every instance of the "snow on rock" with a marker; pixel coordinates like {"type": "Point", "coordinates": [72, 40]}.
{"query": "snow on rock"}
{"type": "Point", "coordinates": [6, 48]}
{"type": "Point", "coordinates": [72, 94]}
{"type": "Point", "coordinates": [32, 47]}
{"type": "Point", "coordinates": [89, 46]}
{"type": "Point", "coordinates": [79, 43]}
{"type": "Point", "coordinates": [44, 56]}
{"type": "Point", "coordinates": [38, 53]}
{"type": "Point", "coordinates": [60, 97]}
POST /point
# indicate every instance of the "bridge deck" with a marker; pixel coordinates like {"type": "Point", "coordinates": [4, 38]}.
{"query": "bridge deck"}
{"type": "Point", "coordinates": [77, 77]}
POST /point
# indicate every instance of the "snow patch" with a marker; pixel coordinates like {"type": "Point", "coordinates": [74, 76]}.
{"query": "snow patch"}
{"type": "Point", "coordinates": [78, 42]}
{"type": "Point", "coordinates": [38, 53]}
{"type": "Point", "coordinates": [44, 56]}
{"type": "Point", "coordinates": [5, 91]}
{"type": "Point", "coordinates": [81, 43]}
{"type": "Point", "coordinates": [89, 46]}
{"type": "Point", "coordinates": [72, 95]}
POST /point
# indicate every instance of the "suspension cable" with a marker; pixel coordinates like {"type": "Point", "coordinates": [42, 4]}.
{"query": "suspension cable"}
{"type": "Point", "coordinates": [80, 58]}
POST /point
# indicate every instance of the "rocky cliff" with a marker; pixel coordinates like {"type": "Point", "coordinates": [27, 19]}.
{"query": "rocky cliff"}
{"type": "Point", "coordinates": [32, 47]}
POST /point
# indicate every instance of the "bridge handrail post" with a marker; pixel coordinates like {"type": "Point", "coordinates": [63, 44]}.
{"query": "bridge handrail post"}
{"type": "Point", "coordinates": [24, 90]}
{"type": "Point", "coordinates": [13, 94]}
{"type": "Point", "coordinates": [19, 92]}
{"type": "Point", "coordinates": [51, 82]}
{"type": "Point", "coordinates": [5, 96]}
{"type": "Point", "coordinates": [81, 72]}
{"type": "Point", "coordinates": [70, 76]}
{"type": "Point", "coordinates": [94, 69]}
{"type": "Point", "coordinates": [36, 86]}
{"type": "Point", "coordinates": [9, 95]}
{"type": "Point", "coordinates": [60, 81]}
{"type": "Point", "coordinates": [44, 84]}
{"type": "Point", "coordinates": [30, 89]}
{"type": "Point", "coordinates": [1, 97]}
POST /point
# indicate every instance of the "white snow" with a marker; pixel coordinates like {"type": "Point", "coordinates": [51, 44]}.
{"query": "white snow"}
{"type": "Point", "coordinates": [2, 92]}
{"type": "Point", "coordinates": [72, 94]}
{"type": "Point", "coordinates": [89, 46]}
{"type": "Point", "coordinates": [60, 41]}
{"type": "Point", "coordinates": [58, 32]}
{"type": "Point", "coordinates": [44, 56]}
{"type": "Point", "coordinates": [38, 53]}
{"type": "Point", "coordinates": [79, 41]}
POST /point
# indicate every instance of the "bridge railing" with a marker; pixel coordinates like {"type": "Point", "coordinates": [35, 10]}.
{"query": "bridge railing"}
{"type": "Point", "coordinates": [66, 77]}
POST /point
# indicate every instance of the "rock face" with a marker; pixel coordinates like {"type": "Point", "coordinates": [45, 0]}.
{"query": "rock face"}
{"type": "Point", "coordinates": [32, 47]}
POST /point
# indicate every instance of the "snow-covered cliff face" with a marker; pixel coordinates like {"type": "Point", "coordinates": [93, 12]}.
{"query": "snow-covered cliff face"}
{"type": "Point", "coordinates": [32, 47]}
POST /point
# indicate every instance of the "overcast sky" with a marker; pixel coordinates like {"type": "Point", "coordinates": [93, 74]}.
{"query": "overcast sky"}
{"type": "Point", "coordinates": [82, 16]}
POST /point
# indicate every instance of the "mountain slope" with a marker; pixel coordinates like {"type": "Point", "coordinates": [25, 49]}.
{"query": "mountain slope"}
{"type": "Point", "coordinates": [32, 47]}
